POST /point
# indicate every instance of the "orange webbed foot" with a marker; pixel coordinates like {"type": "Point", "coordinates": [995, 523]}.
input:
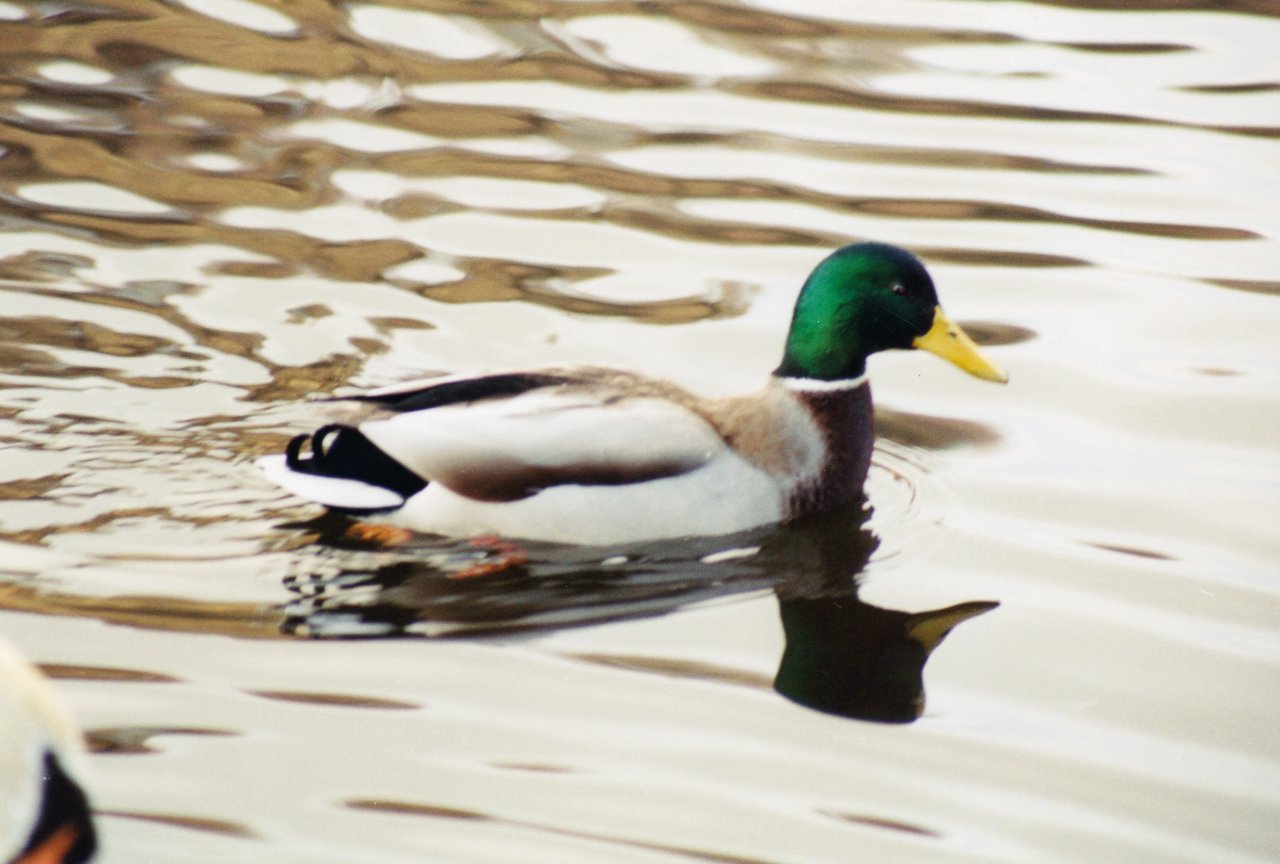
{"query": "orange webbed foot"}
{"type": "Point", "coordinates": [383, 535]}
{"type": "Point", "coordinates": [502, 555]}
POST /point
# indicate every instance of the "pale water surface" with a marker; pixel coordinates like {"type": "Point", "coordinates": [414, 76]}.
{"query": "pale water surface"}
{"type": "Point", "coordinates": [213, 210]}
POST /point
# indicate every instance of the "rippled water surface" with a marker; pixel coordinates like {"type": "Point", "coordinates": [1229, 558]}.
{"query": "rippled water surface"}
{"type": "Point", "coordinates": [210, 211]}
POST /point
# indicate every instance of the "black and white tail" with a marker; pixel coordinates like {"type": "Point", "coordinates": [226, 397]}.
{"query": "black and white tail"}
{"type": "Point", "coordinates": [344, 470]}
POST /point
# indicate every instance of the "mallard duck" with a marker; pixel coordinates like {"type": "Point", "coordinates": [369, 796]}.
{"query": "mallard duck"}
{"type": "Point", "coordinates": [44, 815]}
{"type": "Point", "coordinates": [601, 456]}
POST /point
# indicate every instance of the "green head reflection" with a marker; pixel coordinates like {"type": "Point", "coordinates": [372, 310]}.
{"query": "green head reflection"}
{"type": "Point", "coordinates": [847, 657]}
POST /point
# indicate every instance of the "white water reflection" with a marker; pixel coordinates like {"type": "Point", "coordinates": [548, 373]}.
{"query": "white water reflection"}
{"type": "Point", "coordinates": [213, 79]}
{"type": "Point", "coordinates": [664, 46]}
{"type": "Point", "coordinates": [480, 193]}
{"type": "Point", "coordinates": [245, 13]}
{"type": "Point", "coordinates": [68, 72]}
{"type": "Point", "coordinates": [359, 135]}
{"type": "Point", "coordinates": [91, 195]}
{"type": "Point", "coordinates": [455, 37]}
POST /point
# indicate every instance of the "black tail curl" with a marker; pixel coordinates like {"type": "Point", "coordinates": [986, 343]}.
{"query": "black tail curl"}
{"type": "Point", "coordinates": [338, 450]}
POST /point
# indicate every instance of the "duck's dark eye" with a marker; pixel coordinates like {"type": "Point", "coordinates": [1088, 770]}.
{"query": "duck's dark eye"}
{"type": "Point", "coordinates": [898, 288]}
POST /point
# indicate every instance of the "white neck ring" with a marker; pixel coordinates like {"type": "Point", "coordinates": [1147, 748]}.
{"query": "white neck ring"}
{"type": "Point", "coordinates": [817, 385]}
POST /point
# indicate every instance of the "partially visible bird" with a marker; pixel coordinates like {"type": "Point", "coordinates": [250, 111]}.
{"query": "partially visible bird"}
{"type": "Point", "coordinates": [44, 813]}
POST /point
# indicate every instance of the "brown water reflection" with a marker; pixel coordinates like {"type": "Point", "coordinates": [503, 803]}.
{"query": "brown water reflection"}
{"type": "Point", "coordinates": [210, 212]}
{"type": "Point", "coordinates": [842, 655]}
{"type": "Point", "coordinates": [160, 613]}
{"type": "Point", "coordinates": [135, 740]}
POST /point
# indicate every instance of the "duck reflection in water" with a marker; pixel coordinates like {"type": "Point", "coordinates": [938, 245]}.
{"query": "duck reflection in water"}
{"type": "Point", "coordinates": [843, 656]}
{"type": "Point", "coordinates": [847, 657]}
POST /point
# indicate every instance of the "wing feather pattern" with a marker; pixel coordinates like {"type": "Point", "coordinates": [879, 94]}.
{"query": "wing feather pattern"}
{"type": "Point", "coordinates": [511, 448]}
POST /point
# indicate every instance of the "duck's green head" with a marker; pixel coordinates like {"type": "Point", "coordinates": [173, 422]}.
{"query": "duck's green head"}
{"type": "Point", "coordinates": [869, 297]}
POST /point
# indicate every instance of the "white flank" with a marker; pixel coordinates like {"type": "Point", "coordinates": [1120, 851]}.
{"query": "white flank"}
{"type": "Point", "coordinates": [726, 495]}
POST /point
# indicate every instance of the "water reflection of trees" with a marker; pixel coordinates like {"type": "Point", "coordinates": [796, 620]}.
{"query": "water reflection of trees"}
{"type": "Point", "coordinates": [843, 656]}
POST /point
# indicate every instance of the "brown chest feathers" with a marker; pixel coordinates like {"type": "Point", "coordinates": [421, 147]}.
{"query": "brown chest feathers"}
{"type": "Point", "coordinates": [820, 453]}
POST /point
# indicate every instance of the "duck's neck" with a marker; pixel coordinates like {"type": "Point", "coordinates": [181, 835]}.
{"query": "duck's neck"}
{"type": "Point", "coordinates": [842, 411]}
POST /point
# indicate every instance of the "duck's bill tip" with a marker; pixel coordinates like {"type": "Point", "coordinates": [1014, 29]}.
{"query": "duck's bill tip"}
{"type": "Point", "coordinates": [948, 341]}
{"type": "Point", "coordinates": [930, 628]}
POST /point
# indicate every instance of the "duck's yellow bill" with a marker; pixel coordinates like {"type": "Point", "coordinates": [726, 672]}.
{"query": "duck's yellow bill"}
{"type": "Point", "coordinates": [930, 628]}
{"type": "Point", "coordinates": [948, 341]}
